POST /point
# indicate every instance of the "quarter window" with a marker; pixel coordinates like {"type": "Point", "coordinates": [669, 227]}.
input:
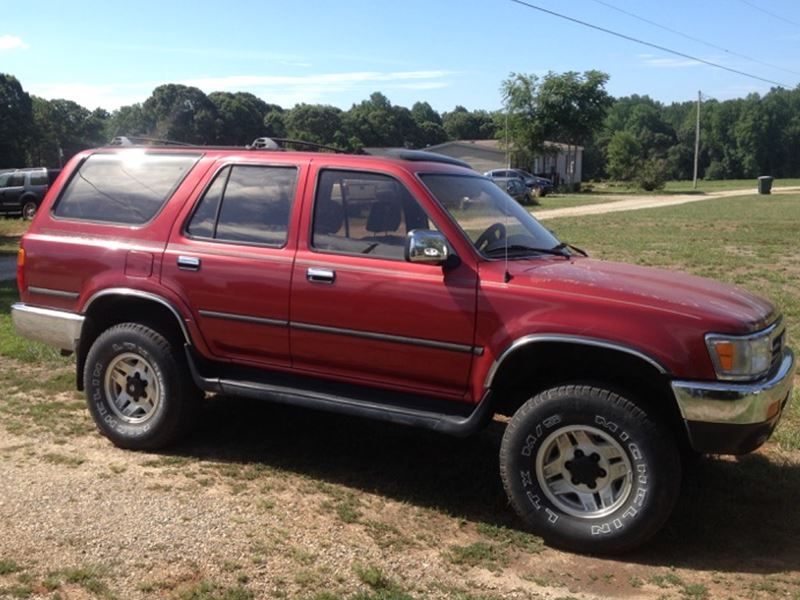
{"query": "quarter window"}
{"type": "Point", "coordinates": [364, 213]}
{"type": "Point", "coordinates": [127, 187]}
{"type": "Point", "coordinates": [246, 204]}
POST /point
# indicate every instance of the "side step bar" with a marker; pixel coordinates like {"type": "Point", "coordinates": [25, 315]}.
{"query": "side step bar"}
{"type": "Point", "coordinates": [308, 397]}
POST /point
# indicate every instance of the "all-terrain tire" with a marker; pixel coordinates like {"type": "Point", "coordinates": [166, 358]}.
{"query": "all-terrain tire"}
{"type": "Point", "coordinates": [138, 389]}
{"type": "Point", "coordinates": [589, 470]}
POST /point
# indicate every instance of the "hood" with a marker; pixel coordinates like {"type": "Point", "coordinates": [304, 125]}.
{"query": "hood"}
{"type": "Point", "coordinates": [678, 293]}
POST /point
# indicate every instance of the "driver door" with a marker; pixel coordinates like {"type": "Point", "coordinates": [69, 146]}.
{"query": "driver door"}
{"type": "Point", "coordinates": [360, 311]}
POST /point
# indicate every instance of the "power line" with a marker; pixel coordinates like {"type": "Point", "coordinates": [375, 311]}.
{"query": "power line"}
{"type": "Point", "coordinates": [771, 14]}
{"type": "Point", "coordinates": [649, 44]}
{"type": "Point", "coordinates": [694, 39]}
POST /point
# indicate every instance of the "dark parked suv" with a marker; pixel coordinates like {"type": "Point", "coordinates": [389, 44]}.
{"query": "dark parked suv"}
{"type": "Point", "coordinates": [22, 190]}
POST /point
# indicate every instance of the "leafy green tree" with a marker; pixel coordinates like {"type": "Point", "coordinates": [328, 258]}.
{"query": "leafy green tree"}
{"type": "Point", "coordinates": [275, 121]}
{"type": "Point", "coordinates": [376, 122]}
{"type": "Point", "coordinates": [462, 124]}
{"type": "Point", "coordinates": [572, 107]}
{"type": "Point", "coordinates": [181, 113]}
{"type": "Point", "coordinates": [61, 129]}
{"type": "Point", "coordinates": [316, 123]}
{"type": "Point", "coordinates": [523, 126]}
{"type": "Point", "coordinates": [429, 128]}
{"type": "Point", "coordinates": [624, 155]}
{"type": "Point", "coordinates": [128, 121]}
{"type": "Point", "coordinates": [16, 121]}
{"type": "Point", "coordinates": [240, 117]}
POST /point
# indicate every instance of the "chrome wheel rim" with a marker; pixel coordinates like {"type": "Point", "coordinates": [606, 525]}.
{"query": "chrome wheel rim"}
{"type": "Point", "coordinates": [132, 388]}
{"type": "Point", "coordinates": [29, 210]}
{"type": "Point", "coordinates": [584, 472]}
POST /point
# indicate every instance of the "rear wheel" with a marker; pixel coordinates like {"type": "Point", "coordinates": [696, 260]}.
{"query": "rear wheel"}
{"type": "Point", "coordinates": [29, 208]}
{"type": "Point", "coordinates": [589, 470]}
{"type": "Point", "coordinates": [137, 388]}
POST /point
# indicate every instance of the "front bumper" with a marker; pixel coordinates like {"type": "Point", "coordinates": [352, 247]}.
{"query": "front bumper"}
{"type": "Point", "coordinates": [57, 328]}
{"type": "Point", "coordinates": [729, 418]}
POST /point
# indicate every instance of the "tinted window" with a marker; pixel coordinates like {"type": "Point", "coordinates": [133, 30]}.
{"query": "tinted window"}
{"type": "Point", "coordinates": [249, 204]}
{"type": "Point", "coordinates": [126, 187]}
{"type": "Point", "coordinates": [39, 178]}
{"type": "Point", "coordinates": [16, 180]}
{"type": "Point", "coordinates": [205, 215]}
{"type": "Point", "coordinates": [364, 213]}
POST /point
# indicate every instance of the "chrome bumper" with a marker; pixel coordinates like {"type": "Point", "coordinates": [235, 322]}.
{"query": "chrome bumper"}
{"type": "Point", "coordinates": [57, 328]}
{"type": "Point", "coordinates": [737, 404]}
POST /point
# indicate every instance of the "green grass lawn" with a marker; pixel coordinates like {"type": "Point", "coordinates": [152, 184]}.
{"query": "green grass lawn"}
{"type": "Point", "coordinates": [685, 186]}
{"type": "Point", "coordinates": [10, 232]}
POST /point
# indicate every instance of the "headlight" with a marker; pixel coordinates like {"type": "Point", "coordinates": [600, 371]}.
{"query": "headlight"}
{"type": "Point", "coordinates": [741, 357]}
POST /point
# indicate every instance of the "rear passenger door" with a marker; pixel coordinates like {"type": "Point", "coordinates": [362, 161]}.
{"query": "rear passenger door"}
{"type": "Point", "coordinates": [232, 261]}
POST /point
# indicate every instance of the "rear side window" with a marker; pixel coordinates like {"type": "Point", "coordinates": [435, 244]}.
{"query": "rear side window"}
{"type": "Point", "coordinates": [246, 204]}
{"type": "Point", "coordinates": [39, 178]}
{"type": "Point", "coordinates": [126, 187]}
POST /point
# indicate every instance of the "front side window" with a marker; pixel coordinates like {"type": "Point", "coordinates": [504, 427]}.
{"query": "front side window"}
{"type": "Point", "coordinates": [127, 187]}
{"type": "Point", "coordinates": [364, 213]}
{"type": "Point", "coordinates": [17, 180]}
{"type": "Point", "coordinates": [246, 204]}
{"type": "Point", "coordinates": [493, 221]}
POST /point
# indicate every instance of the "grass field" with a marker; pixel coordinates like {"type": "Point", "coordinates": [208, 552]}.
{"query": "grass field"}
{"type": "Point", "coordinates": [332, 508]}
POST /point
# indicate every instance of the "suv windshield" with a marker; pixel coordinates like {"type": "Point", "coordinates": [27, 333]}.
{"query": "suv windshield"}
{"type": "Point", "coordinates": [490, 218]}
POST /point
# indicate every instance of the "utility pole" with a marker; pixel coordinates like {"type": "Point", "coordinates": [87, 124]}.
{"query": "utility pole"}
{"type": "Point", "coordinates": [508, 150]}
{"type": "Point", "coordinates": [697, 140]}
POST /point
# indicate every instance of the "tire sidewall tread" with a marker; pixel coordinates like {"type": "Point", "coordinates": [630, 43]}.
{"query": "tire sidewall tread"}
{"type": "Point", "coordinates": [656, 471]}
{"type": "Point", "coordinates": [168, 423]}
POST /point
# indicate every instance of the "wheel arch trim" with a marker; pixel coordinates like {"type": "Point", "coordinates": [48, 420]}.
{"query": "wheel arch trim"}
{"type": "Point", "coordinates": [538, 338]}
{"type": "Point", "coordinates": [141, 295]}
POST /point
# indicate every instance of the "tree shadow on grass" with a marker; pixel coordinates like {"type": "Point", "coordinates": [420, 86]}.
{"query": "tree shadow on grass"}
{"type": "Point", "coordinates": [734, 515]}
{"type": "Point", "coordinates": [9, 244]}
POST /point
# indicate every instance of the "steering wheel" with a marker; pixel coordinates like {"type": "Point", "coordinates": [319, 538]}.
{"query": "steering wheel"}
{"type": "Point", "coordinates": [493, 234]}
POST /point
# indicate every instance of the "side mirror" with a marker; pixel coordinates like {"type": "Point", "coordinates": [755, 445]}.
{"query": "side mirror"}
{"type": "Point", "coordinates": [427, 247]}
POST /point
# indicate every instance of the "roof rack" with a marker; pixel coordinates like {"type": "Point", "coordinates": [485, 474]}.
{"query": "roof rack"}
{"type": "Point", "coordinates": [417, 155]}
{"type": "Point", "coordinates": [279, 145]}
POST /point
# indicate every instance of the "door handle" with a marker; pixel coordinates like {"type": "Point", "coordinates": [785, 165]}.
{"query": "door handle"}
{"type": "Point", "coordinates": [315, 275]}
{"type": "Point", "coordinates": [189, 263]}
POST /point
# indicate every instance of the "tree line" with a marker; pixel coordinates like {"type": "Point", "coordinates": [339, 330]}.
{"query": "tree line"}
{"type": "Point", "coordinates": [628, 138]}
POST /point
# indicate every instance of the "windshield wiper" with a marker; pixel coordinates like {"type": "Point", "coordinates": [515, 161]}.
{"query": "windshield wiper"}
{"type": "Point", "coordinates": [561, 249]}
{"type": "Point", "coordinates": [564, 245]}
{"type": "Point", "coordinates": [516, 248]}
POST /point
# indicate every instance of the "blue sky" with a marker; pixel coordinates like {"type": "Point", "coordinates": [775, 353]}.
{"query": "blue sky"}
{"type": "Point", "coordinates": [446, 52]}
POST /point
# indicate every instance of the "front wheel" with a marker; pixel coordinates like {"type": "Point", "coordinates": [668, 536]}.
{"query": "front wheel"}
{"type": "Point", "coordinates": [137, 388]}
{"type": "Point", "coordinates": [589, 470]}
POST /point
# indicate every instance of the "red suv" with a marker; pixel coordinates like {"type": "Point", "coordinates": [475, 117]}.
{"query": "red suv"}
{"type": "Point", "coordinates": [406, 288]}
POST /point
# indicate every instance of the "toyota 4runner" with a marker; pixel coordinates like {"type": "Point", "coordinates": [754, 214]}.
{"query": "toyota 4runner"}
{"type": "Point", "coordinates": [406, 288]}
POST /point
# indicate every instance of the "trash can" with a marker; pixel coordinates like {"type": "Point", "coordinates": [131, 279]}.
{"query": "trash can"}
{"type": "Point", "coordinates": [764, 184]}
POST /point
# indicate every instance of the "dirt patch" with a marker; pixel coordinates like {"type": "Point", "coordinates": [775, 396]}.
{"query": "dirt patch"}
{"type": "Point", "coordinates": [271, 502]}
{"type": "Point", "coordinates": [643, 202]}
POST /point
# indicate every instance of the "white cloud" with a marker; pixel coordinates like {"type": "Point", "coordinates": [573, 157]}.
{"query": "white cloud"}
{"type": "Point", "coordinates": [286, 90]}
{"type": "Point", "coordinates": [91, 96]}
{"type": "Point", "coordinates": [668, 63]}
{"type": "Point", "coordinates": [12, 42]}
